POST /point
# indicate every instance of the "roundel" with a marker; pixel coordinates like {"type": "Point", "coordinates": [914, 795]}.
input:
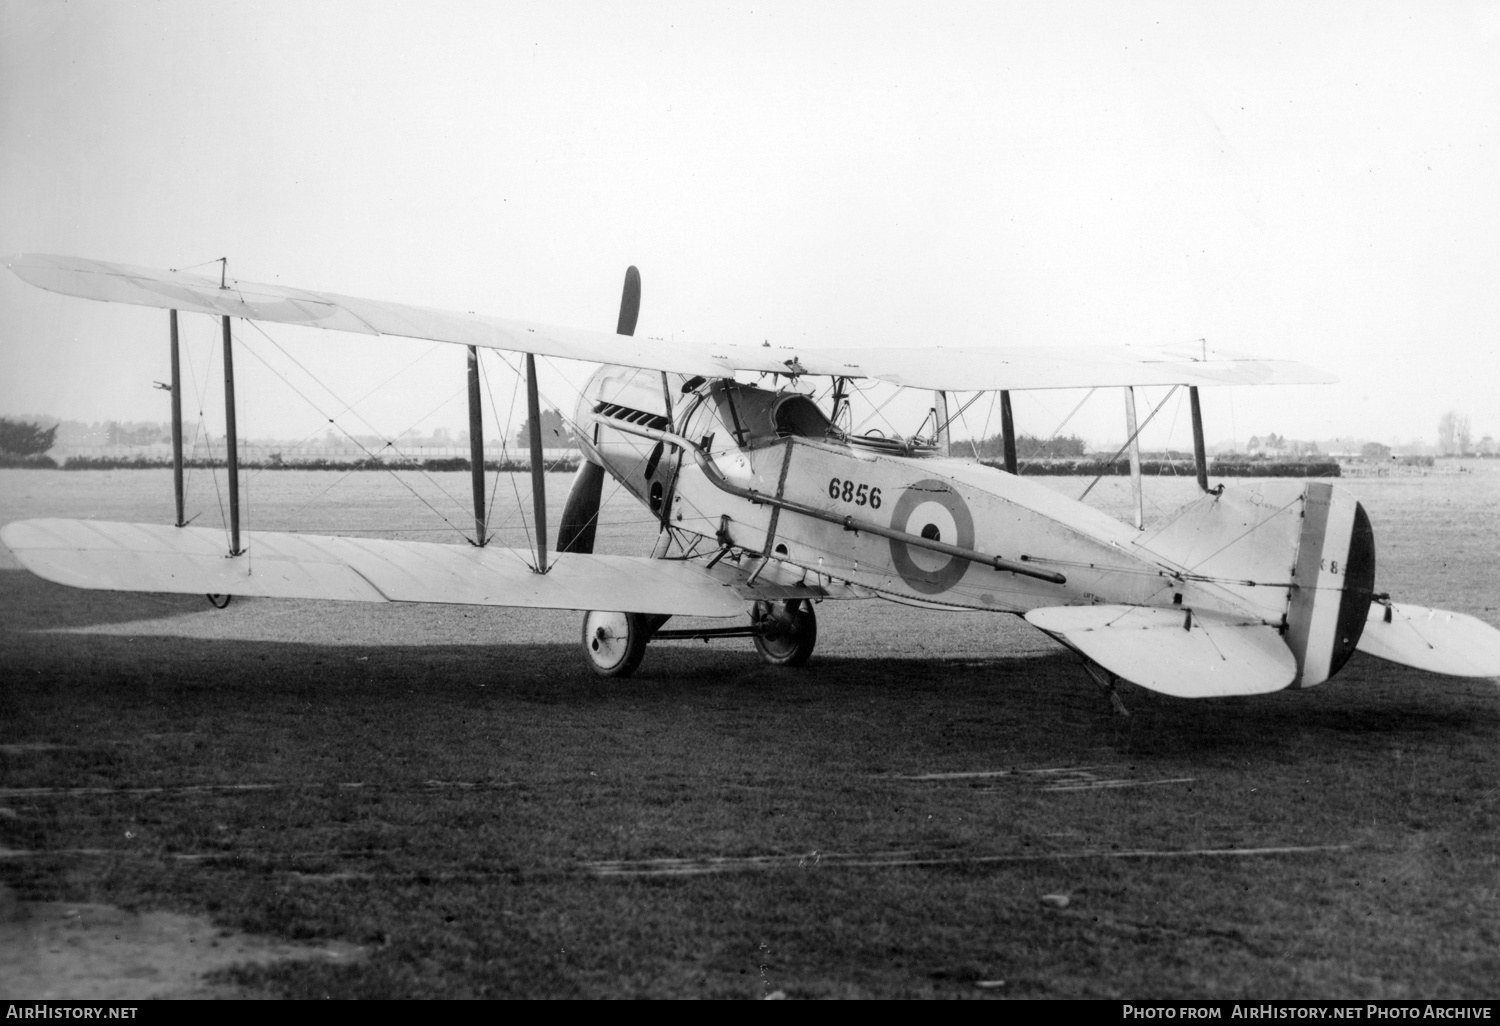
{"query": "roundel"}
{"type": "Point", "coordinates": [933, 510]}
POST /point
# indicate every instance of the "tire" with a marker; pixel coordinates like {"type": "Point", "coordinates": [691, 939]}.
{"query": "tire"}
{"type": "Point", "coordinates": [792, 633]}
{"type": "Point", "coordinates": [614, 643]}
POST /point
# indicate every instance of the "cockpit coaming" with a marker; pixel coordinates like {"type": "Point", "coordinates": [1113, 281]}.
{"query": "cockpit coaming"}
{"type": "Point", "coordinates": [752, 417]}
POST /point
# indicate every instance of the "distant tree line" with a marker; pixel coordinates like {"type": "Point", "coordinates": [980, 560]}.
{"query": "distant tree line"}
{"type": "Point", "coordinates": [21, 438]}
{"type": "Point", "coordinates": [1277, 446]}
{"type": "Point", "coordinates": [555, 431]}
{"type": "Point", "coordinates": [1028, 447]}
{"type": "Point", "coordinates": [1453, 434]}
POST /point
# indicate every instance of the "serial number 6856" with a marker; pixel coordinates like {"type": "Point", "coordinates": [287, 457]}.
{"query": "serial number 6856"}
{"type": "Point", "coordinates": [859, 494]}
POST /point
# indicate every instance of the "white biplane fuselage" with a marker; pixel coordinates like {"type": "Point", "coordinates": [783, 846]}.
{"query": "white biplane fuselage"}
{"type": "Point", "coordinates": [764, 473]}
{"type": "Point", "coordinates": [766, 505]}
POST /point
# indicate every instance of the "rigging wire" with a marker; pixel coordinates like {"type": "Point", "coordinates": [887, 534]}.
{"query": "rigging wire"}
{"type": "Point", "coordinates": [1132, 438]}
{"type": "Point", "coordinates": [350, 408]}
{"type": "Point", "coordinates": [1171, 430]}
{"type": "Point", "coordinates": [876, 412]}
{"type": "Point", "coordinates": [191, 267]}
{"type": "Point", "coordinates": [576, 428]}
{"type": "Point", "coordinates": [489, 513]}
{"type": "Point", "coordinates": [1171, 462]}
{"type": "Point", "coordinates": [495, 489]}
{"type": "Point", "coordinates": [390, 470]}
{"type": "Point", "coordinates": [959, 415]}
{"type": "Point", "coordinates": [198, 424]}
{"type": "Point", "coordinates": [208, 442]}
{"type": "Point", "coordinates": [1247, 532]}
{"type": "Point", "coordinates": [973, 443]}
{"type": "Point", "coordinates": [616, 483]}
{"type": "Point", "coordinates": [506, 459]}
{"type": "Point", "coordinates": [1055, 431]}
{"type": "Point", "coordinates": [984, 432]}
{"type": "Point", "coordinates": [389, 443]}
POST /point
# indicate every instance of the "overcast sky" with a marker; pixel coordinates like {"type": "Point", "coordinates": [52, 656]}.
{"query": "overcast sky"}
{"type": "Point", "coordinates": [1308, 181]}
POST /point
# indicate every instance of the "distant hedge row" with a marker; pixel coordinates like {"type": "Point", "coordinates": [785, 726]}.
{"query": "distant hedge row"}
{"type": "Point", "coordinates": [10, 459]}
{"type": "Point", "coordinates": [156, 463]}
{"type": "Point", "coordinates": [1162, 468]}
{"type": "Point", "coordinates": [1274, 468]}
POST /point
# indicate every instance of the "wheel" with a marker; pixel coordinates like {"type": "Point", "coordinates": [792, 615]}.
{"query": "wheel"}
{"type": "Point", "coordinates": [615, 642]}
{"type": "Point", "coordinates": [791, 631]}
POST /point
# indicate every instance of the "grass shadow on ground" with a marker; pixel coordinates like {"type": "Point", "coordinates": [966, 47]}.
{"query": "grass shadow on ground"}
{"type": "Point", "coordinates": [28, 603]}
{"type": "Point", "coordinates": [490, 776]}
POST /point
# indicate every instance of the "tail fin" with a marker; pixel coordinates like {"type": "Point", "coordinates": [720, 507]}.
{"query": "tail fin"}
{"type": "Point", "coordinates": [1302, 556]}
{"type": "Point", "coordinates": [1332, 583]}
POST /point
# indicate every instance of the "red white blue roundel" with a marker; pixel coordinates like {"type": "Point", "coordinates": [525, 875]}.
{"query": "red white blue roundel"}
{"type": "Point", "coordinates": [932, 510]}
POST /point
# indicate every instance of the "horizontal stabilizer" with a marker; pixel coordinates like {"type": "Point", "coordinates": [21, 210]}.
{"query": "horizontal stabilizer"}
{"type": "Point", "coordinates": [1432, 639]}
{"type": "Point", "coordinates": [1175, 651]}
{"type": "Point", "coordinates": [192, 560]}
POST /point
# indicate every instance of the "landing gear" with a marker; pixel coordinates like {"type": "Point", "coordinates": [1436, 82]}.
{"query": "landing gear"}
{"type": "Point", "coordinates": [615, 642]}
{"type": "Point", "coordinates": [1107, 681]}
{"type": "Point", "coordinates": [787, 631]}
{"type": "Point", "coordinates": [784, 634]}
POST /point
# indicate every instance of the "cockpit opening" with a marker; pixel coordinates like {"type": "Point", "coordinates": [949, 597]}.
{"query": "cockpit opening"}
{"type": "Point", "coordinates": [798, 415]}
{"type": "Point", "coordinates": [756, 416]}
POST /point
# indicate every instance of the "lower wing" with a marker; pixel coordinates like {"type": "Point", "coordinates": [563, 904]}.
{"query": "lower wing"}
{"type": "Point", "coordinates": [191, 560]}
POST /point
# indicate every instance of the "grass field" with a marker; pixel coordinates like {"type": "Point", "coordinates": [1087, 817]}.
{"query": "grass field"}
{"type": "Point", "coordinates": [452, 790]}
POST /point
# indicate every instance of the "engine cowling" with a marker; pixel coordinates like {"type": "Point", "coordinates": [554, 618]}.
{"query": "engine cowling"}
{"type": "Point", "coordinates": [644, 467]}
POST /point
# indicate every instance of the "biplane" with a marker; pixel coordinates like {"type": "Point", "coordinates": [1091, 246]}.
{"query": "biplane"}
{"type": "Point", "coordinates": [768, 503]}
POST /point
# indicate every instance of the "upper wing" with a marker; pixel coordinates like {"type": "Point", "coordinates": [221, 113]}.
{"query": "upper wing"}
{"type": "Point", "coordinates": [921, 367]}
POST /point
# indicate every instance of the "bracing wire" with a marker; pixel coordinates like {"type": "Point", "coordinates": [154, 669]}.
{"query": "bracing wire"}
{"type": "Point", "coordinates": [1172, 430]}
{"type": "Point", "coordinates": [495, 488]}
{"type": "Point", "coordinates": [984, 431]}
{"type": "Point", "coordinates": [1132, 438]}
{"type": "Point", "coordinates": [350, 408]}
{"type": "Point", "coordinates": [959, 416]}
{"type": "Point", "coordinates": [505, 457]}
{"type": "Point", "coordinates": [876, 412]}
{"type": "Point", "coordinates": [1058, 430]}
{"type": "Point", "coordinates": [198, 425]}
{"type": "Point", "coordinates": [577, 430]}
{"type": "Point", "coordinates": [193, 267]}
{"type": "Point", "coordinates": [390, 470]}
{"type": "Point", "coordinates": [208, 443]}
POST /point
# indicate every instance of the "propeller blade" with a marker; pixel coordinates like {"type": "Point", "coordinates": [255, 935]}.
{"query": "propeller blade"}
{"type": "Point", "coordinates": [630, 302]}
{"type": "Point", "coordinates": [581, 514]}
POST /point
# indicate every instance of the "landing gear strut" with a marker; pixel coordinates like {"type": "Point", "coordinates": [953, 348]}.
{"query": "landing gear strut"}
{"type": "Point", "coordinates": [1107, 680]}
